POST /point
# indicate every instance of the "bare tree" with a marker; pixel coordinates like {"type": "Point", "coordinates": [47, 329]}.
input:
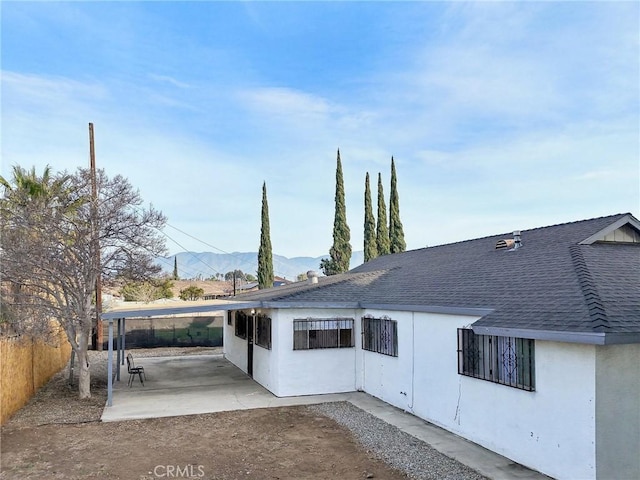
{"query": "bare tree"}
{"type": "Point", "coordinates": [147, 291]}
{"type": "Point", "coordinates": [50, 245]}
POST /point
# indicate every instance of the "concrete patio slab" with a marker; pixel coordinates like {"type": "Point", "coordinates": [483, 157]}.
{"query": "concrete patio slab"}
{"type": "Point", "coordinates": [197, 384]}
{"type": "Point", "coordinates": [194, 384]}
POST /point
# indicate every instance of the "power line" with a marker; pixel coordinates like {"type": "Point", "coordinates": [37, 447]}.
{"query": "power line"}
{"type": "Point", "coordinates": [204, 243]}
{"type": "Point", "coordinates": [197, 239]}
{"type": "Point", "coordinates": [181, 246]}
{"type": "Point", "coordinates": [207, 244]}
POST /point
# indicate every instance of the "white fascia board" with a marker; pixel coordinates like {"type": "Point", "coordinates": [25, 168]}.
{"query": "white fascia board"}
{"type": "Point", "coordinates": [286, 305]}
{"type": "Point", "coordinates": [156, 312]}
{"type": "Point", "coordinates": [591, 338]}
{"type": "Point", "coordinates": [628, 218]}
{"type": "Point", "coordinates": [470, 311]}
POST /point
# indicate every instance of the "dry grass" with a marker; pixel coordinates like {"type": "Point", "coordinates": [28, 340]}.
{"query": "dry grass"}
{"type": "Point", "coordinates": [57, 402]}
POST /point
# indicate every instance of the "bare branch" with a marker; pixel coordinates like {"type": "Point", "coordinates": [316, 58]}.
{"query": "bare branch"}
{"type": "Point", "coordinates": [49, 250]}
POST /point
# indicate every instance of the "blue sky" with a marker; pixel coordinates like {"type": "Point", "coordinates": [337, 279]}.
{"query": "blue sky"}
{"type": "Point", "coordinates": [500, 116]}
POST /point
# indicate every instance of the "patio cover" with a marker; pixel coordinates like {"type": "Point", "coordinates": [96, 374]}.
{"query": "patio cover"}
{"type": "Point", "coordinates": [149, 312]}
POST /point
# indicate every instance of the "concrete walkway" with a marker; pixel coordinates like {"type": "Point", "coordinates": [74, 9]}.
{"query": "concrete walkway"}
{"type": "Point", "coordinates": [208, 383]}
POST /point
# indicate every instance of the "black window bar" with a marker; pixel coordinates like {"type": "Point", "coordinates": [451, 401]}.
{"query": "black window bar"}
{"type": "Point", "coordinates": [313, 333]}
{"type": "Point", "coordinates": [263, 331]}
{"type": "Point", "coordinates": [505, 360]}
{"type": "Point", "coordinates": [380, 335]}
{"type": "Point", "coordinates": [241, 324]}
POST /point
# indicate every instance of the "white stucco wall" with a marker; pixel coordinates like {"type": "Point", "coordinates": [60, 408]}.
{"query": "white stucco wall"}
{"type": "Point", "coordinates": [234, 348]}
{"type": "Point", "coordinates": [618, 411]}
{"type": "Point", "coordinates": [385, 377]}
{"type": "Point", "coordinates": [551, 429]}
{"type": "Point", "coordinates": [264, 365]}
{"type": "Point", "coordinates": [310, 372]}
{"type": "Point", "coordinates": [265, 361]}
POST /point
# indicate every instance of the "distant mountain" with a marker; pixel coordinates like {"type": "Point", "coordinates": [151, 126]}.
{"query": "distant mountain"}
{"type": "Point", "coordinates": [207, 264]}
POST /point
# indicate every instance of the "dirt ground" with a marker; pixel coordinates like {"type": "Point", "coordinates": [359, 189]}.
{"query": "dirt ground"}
{"type": "Point", "coordinates": [277, 443]}
{"type": "Point", "coordinates": [58, 436]}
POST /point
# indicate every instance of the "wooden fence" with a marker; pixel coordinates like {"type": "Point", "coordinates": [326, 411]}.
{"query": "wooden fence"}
{"type": "Point", "coordinates": [25, 366]}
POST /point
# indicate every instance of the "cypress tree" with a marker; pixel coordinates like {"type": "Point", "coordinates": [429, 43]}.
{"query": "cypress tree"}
{"type": "Point", "coordinates": [175, 268]}
{"type": "Point", "coordinates": [396, 233]}
{"type": "Point", "coordinates": [370, 242]}
{"type": "Point", "coordinates": [265, 254]}
{"type": "Point", "coordinates": [340, 252]}
{"type": "Point", "coordinates": [382, 232]}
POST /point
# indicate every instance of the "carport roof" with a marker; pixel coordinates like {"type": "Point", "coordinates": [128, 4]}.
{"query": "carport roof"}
{"type": "Point", "coordinates": [163, 309]}
{"type": "Point", "coordinates": [152, 311]}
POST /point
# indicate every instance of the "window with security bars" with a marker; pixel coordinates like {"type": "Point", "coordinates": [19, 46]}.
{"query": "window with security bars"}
{"type": "Point", "coordinates": [380, 335]}
{"type": "Point", "coordinates": [312, 333]}
{"type": "Point", "coordinates": [241, 324]}
{"type": "Point", "coordinates": [506, 360]}
{"type": "Point", "coordinates": [263, 331]}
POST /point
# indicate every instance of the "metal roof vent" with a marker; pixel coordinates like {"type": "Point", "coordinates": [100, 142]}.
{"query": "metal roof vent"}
{"type": "Point", "coordinates": [517, 242]}
{"type": "Point", "coordinates": [312, 277]}
{"type": "Point", "coordinates": [510, 243]}
{"type": "Point", "coordinates": [504, 244]}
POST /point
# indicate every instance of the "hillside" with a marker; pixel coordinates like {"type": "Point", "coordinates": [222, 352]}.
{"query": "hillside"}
{"type": "Point", "coordinates": [207, 264]}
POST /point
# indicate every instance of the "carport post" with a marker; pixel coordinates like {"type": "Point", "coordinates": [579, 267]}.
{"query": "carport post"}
{"type": "Point", "coordinates": [124, 337]}
{"type": "Point", "coordinates": [110, 366]}
{"type": "Point", "coordinates": [118, 344]}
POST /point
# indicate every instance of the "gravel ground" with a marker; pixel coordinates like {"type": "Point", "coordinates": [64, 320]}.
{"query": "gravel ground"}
{"type": "Point", "coordinates": [58, 403]}
{"type": "Point", "coordinates": [395, 447]}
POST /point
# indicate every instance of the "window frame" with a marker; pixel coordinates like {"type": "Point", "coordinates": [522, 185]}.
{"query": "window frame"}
{"type": "Point", "coordinates": [508, 361]}
{"type": "Point", "coordinates": [242, 321]}
{"type": "Point", "coordinates": [380, 335]}
{"type": "Point", "coordinates": [318, 341]}
{"type": "Point", "coordinates": [262, 325]}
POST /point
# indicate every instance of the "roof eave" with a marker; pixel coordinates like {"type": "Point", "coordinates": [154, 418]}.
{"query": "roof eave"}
{"type": "Point", "coordinates": [447, 310]}
{"type": "Point", "coordinates": [590, 338]}
{"type": "Point", "coordinates": [307, 304]}
{"type": "Point", "coordinates": [627, 218]}
{"type": "Point", "coordinates": [160, 311]}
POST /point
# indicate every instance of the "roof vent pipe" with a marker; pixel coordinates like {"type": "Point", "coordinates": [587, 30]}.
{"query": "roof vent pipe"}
{"type": "Point", "coordinates": [516, 240]}
{"type": "Point", "coordinates": [312, 277]}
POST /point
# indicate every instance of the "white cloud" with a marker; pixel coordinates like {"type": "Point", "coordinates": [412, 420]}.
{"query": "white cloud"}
{"type": "Point", "coordinates": [168, 79]}
{"type": "Point", "coordinates": [498, 119]}
{"type": "Point", "coordinates": [286, 104]}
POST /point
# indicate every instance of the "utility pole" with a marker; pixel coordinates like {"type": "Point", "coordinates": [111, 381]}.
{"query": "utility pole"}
{"type": "Point", "coordinates": [97, 337]}
{"type": "Point", "coordinates": [234, 283]}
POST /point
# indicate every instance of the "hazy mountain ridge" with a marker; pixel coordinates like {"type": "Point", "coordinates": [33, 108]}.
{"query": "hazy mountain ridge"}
{"type": "Point", "coordinates": [207, 264]}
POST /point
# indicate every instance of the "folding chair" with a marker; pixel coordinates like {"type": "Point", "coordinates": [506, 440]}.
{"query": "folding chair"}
{"type": "Point", "coordinates": [133, 371]}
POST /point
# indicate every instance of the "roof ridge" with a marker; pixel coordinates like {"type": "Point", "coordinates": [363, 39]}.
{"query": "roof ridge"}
{"type": "Point", "coordinates": [599, 319]}
{"type": "Point", "coordinates": [615, 215]}
{"type": "Point", "coordinates": [344, 277]}
{"type": "Point", "coordinates": [297, 288]}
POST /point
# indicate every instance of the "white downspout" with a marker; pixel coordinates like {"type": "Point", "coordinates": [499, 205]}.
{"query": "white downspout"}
{"type": "Point", "coordinates": [413, 357]}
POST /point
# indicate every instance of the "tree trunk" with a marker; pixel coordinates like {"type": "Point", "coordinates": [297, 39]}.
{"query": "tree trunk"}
{"type": "Point", "coordinates": [84, 376]}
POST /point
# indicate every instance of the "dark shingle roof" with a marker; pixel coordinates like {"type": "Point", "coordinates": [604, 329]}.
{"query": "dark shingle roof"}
{"type": "Point", "coordinates": [551, 283]}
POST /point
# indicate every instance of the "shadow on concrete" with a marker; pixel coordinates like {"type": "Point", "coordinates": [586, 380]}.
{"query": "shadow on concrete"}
{"type": "Point", "coordinates": [195, 384]}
